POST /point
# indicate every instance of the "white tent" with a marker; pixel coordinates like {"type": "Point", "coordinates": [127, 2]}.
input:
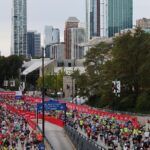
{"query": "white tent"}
{"type": "Point", "coordinates": [36, 65]}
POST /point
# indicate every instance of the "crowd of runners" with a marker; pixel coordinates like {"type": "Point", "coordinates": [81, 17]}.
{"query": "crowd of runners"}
{"type": "Point", "coordinates": [114, 134]}
{"type": "Point", "coordinates": [108, 131]}
{"type": "Point", "coordinates": [15, 133]}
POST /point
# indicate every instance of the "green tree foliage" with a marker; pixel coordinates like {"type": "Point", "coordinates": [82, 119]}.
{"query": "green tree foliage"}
{"type": "Point", "coordinates": [80, 83]}
{"type": "Point", "coordinates": [53, 82]}
{"type": "Point", "coordinates": [128, 60]}
{"type": "Point", "coordinates": [94, 63]}
{"type": "Point", "coordinates": [143, 102]}
{"type": "Point", "coordinates": [9, 67]}
{"type": "Point", "coordinates": [131, 62]}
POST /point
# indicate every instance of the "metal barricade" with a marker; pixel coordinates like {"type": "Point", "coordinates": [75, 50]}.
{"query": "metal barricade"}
{"type": "Point", "coordinates": [80, 141]}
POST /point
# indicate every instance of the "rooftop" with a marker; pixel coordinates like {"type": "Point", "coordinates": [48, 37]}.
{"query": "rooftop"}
{"type": "Point", "coordinates": [72, 19]}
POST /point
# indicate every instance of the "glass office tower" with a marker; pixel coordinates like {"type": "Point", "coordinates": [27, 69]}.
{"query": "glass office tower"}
{"type": "Point", "coordinates": [104, 18]}
{"type": "Point", "coordinates": [19, 28]}
{"type": "Point", "coordinates": [120, 15]}
{"type": "Point", "coordinates": [96, 18]}
{"type": "Point", "coordinates": [34, 44]}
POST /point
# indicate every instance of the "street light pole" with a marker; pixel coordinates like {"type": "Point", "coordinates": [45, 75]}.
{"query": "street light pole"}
{"type": "Point", "coordinates": [56, 87]}
{"type": "Point", "coordinates": [43, 95]}
{"type": "Point", "coordinates": [73, 79]}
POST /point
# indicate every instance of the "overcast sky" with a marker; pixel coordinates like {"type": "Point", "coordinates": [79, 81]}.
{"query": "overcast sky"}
{"type": "Point", "coordinates": [52, 12]}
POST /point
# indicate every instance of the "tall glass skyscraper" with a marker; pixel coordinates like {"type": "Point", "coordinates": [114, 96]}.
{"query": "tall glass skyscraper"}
{"type": "Point", "coordinates": [104, 18]}
{"type": "Point", "coordinates": [19, 28]}
{"type": "Point", "coordinates": [77, 37]}
{"type": "Point", "coordinates": [34, 44]}
{"type": "Point", "coordinates": [52, 35]}
{"type": "Point", "coordinates": [120, 15]}
{"type": "Point", "coordinates": [96, 18]}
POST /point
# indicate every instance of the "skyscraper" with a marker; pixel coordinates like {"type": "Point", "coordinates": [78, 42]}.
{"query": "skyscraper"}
{"type": "Point", "coordinates": [96, 18]}
{"type": "Point", "coordinates": [77, 37]}
{"type": "Point", "coordinates": [52, 35]}
{"type": "Point", "coordinates": [143, 23]}
{"type": "Point", "coordinates": [72, 22]}
{"type": "Point", "coordinates": [34, 44]}
{"type": "Point", "coordinates": [120, 15]}
{"type": "Point", "coordinates": [19, 28]}
{"type": "Point", "coordinates": [104, 18]}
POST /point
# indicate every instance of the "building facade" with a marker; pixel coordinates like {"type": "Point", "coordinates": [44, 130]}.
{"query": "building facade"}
{"type": "Point", "coordinates": [104, 18]}
{"type": "Point", "coordinates": [19, 28]}
{"type": "Point", "coordinates": [72, 22]}
{"type": "Point", "coordinates": [57, 51]}
{"type": "Point", "coordinates": [78, 36]}
{"type": "Point", "coordinates": [144, 23]}
{"type": "Point", "coordinates": [120, 16]}
{"type": "Point", "coordinates": [34, 44]}
{"type": "Point", "coordinates": [96, 18]}
{"type": "Point", "coordinates": [52, 35]}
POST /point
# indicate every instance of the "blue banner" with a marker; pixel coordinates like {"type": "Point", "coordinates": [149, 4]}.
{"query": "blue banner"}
{"type": "Point", "coordinates": [18, 97]}
{"type": "Point", "coordinates": [51, 106]}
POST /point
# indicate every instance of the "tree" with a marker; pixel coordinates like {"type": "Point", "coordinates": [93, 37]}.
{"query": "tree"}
{"type": "Point", "coordinates": [131, 59]}
{"type": "Point", "coordinates": [129, 64]}
{"type": "Point", "coordinates": [127, 60]}
{"type": "Point", "coordinates": [53, 82]}
{"type": "Point", "coordinates": [95, 59]}
{"type": "Point", "coordinates": [9, 67]}
{"type": "Point", "coordinates": [81, 88]}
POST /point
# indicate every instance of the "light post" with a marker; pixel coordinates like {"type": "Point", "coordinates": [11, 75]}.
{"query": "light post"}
{"type": "Point", "coordinates": [73, 79]}
{"type": "Point", "coordinates": [56, 84]}
{"type": "Point", "coordinates": [43, 96]}
{"type": "Point", "coordinates": [56, 87]}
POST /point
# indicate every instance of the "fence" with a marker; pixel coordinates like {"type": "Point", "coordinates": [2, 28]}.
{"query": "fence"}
{"type": "Point", "coordinates": [80, 141]}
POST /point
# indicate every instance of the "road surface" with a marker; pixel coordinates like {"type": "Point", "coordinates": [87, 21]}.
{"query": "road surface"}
{"type": "Point", "coordinates": [57, 137]}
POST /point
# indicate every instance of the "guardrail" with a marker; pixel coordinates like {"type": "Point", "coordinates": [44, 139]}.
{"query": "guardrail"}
{"type": "Point", "coordinates": [80, 141]}
{"type": "Point", "coordinates": [46, 139]}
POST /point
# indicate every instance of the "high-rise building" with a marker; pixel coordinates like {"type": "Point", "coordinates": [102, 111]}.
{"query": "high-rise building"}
{"type": "Point", "coordinates": [104, 18]}
{"type": "Point", "coordinates": [143, 23]}
{"type": "Point", "coordinates": [52, 35]}
{"type": "Point", "coordinates": [57, 51]}
{"type": "Point", "coordinates": [72, 22]}
{"type": "Point", "coordinates": [34, 44]}
{"type": "Point", "coordinates": [78, 36]}
{"type": "Point", "coordinates": [19, 28]}
{"type": "Point", "coordinates": [120, 16]}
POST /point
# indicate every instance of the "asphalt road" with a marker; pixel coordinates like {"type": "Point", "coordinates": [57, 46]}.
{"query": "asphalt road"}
{"type": "Point", "coordinates": [57, 137]}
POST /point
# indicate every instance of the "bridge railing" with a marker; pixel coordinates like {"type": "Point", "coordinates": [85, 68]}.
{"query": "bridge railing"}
{"type": "Point", "coordinates": [80, 141]}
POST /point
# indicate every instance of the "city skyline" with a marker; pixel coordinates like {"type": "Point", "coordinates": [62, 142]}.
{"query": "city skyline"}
{"type": "Point", "coordinates": [50, 13]}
